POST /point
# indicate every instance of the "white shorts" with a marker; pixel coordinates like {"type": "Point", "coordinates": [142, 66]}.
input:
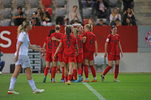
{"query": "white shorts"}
{"type": "Point", "coordinates": [24, 61]}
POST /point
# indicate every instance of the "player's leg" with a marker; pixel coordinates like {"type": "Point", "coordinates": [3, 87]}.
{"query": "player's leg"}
{"type": "Point", "coordinates": [63, 68]}
{"type": "Point", "coordinates": [82, 67]}
{"type": "Point", "coordinates": [71, 64]}
{"type": "Point", "coordinates": [66, 72]}
{"type": "Point", "coordinates": [93, 71]}
{"type": "Point", "coordinates": [116, 71]}
{"type": "Point", "coordinates": [46, 70]}
{"type": "Point", "coordinates": [31, 81]}
{"type": "Point", "coordinates": [75, 72]}
{"type": "Point", "coordinates": [79, 65]}
{"type": "Point", "coordinates": [13, 79]}
{"type": "Point", "coordinates": [86, 70]}
{"type": "Point", "coordinates": [53, 72]}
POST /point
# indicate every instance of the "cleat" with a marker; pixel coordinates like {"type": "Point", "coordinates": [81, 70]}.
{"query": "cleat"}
{"type": "Point", "coordinates": [38, 91]}
{"type": "Point", "coordinates": [115, 80]}
{"type": "Point", "coordinates": [72, 80]}
{"type": "Point", "coordinates": [75, 81]}
{"type": "Point", "coordinates": [12, 92]}
{"type": "Point", "coordinates": [82, 79]}
{"type": "Point", "coordinates": [79, 79]}
{"type": "Point", "coordinates": [44, 80]}
{"type": "Point", "coordinates": [102, 77]}
{"type": "Point", "coordinates": [86, 81]}
{"type": "Point", "coordinates": [94, 80]}
{"type": "Point", "coordinates": [68, 83]}
{"type": "Point", "coordinates": [62, 80]}
{"type": "Point", "coordinates": [53, 82]}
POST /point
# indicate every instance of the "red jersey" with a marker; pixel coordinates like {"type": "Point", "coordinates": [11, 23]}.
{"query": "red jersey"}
{"type": "Point", "coordinates": [89, 46]}
{"type": "Point", "coordinates": [113, 47]}
{"type": "Point", "coordinates": [69, 45]}
{"type": "Point", "coordinates": [56, 43]}
{"type": "Point", "coordinates": [80, 44]}
{"type": "Point", "coordinates": [48, 45]}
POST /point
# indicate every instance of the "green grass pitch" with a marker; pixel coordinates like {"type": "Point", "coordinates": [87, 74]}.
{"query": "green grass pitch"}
{"type": "Point", "coordinates": [133, 86]}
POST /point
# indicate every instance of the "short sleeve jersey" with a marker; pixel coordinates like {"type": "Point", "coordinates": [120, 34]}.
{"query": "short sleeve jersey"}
{"type": "Point", "coordinates": [56, 43]}
{"type": "Point", "coordinates": [113, 41]}
{"type": "Point", "coordinates": [23, 37]}
{"type": "Point", "coordinates": [48, 45]}
{"type": "Point", "coordinates": [89, 46]}
{"type": "Point", "coordinates": [80, 44]}
{"type": "Point", "coordinates": [69, 45]}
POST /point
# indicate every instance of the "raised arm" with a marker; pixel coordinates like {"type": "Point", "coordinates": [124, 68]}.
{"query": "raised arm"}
{"type": "Point", "coordinates": [35, 48]}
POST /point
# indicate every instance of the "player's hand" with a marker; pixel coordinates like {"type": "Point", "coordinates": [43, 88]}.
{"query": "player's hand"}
{"type": "Point", "coordinates": [77, 54]}
{"type": "Point", "coordinates": [121, 55]}
{"type": "Point", "coordinates": [54, 57]}
{"type": "Point", "coordinates": [53, 38]}
{"type": "Point", "coordinates": [105, 55]}
{"type": "Point", "coordinates": [16, 58]}
{"type": "Point", "coordinates": [43, 54]}
{"type": "Point", "coordinates": [96, 54]}
{"type": "Point", "coordinates": [42, 50]}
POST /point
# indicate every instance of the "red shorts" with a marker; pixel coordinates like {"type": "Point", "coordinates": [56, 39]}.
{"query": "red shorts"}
{"type": "Point", "coordinates": [79, 58]}
{"type": "Point", "coordinates": [68, 59]}
{"type": "Point", "coordinates": [48, 57]}
{"type": "Point", "coordinates": [88, 56]}
{"type": "Point", "coordinates": [113, 57]}
{"type": "Point", "coordinates": [58, 56]}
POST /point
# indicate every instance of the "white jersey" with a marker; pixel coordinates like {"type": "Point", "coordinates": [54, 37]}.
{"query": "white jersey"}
{"type": "Point", "coordinates": [23, 37]}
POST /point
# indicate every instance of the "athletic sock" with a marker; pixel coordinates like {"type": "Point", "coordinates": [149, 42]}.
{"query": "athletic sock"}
{"type": "Point", "coordinates": [79, 71]}
{"type": "Point", "coordinates": [82, 69]}
{"type": "Point", "coordinates": [75, 74]}
{"type": "Point", "coordinates": [69, 77]}
{"type": "Point", "coordinates": [12, 83]}
{"type": "Point", "coordinates": [93, 71]}
{"type": "Point", "coordinates": [66, 78]}
{"type": "Point", "coordinates": [106, 70]}
{"type": "Point", "coordinates": [86, 70]}
{"type": "Point", "coordinates": [116, 71]}
{"type": "Point", "coordinates": [62, 72]}
{"type": "Point", "coordinates": [32, 84]}
{"type": "Point", "coordinates": [53, 72]}
{"type": "Point", "coordinates": [46, 71]}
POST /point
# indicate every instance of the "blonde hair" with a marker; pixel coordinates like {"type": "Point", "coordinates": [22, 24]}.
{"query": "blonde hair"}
{"type": "Point", "coordinates": [90, 27]}
{"type": "Point", "coordinates": [114, 14]}
{"type": "Point", "coordinates": [75, 32]}
{"type": "Point", "coordinates": [22, 27]}
{"type": "Point", "coordinates": [44, 16]}
{"type": "Point", "coordinates": [57, 27]}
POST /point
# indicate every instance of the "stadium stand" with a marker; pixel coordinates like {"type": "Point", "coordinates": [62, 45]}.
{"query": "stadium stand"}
{"type": "Point", "coordinates": [33, 3]}
{"type": "Point", "coordinates": [5, 22]}
{"type": "Point", "coordinates": [6, 12]}
{"type": "Point", "coordinates": [6, 3]}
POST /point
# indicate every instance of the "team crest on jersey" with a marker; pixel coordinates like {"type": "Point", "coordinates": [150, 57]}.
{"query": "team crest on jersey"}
{"type": "Point", "coordinates": [148, 38]}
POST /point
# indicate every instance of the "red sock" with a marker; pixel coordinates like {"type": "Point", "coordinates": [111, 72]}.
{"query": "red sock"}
{"type": "Point", "coordinates": [79, 71]}
{"type": "Point", "coordinates": [66, 78]}
{"type": "Point", "coordinates": [62, 72]}
{"type": "Point", "coordinates": [93, 71]}
{"type": "Point", "coordinates": [69, 77]}
{"type": "Point", "coordinates": [75, 74]}
{"type": "Point", "coordinates": [106, 70]}
{"type": "Point", "coordinates": [46, 71]}
{"type": "Point", "coordinates": [86, 70]}
{"type": "Point", "coordinates": [116, 71]}
{"type": "Point", "coordinates": [53, 72]}
{"type": "Point", "coordinates": [82, 69]}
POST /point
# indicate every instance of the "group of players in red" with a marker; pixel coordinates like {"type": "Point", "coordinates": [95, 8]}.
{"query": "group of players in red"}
{"type": "Point", "coordinates": [75, 52]}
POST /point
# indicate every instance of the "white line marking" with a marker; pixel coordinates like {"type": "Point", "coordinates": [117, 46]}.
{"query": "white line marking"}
{"type": "Point", "coordinates": [94, 91]}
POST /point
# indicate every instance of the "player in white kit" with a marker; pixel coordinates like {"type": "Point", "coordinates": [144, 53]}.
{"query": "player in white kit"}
{"type": "Point", "coordinates": [22, 59]}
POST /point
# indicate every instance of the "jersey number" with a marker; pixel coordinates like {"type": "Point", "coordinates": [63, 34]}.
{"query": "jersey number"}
{"type": "Point", "coordinates": [80, 44]}
{"type": "Point", "coordinates": [92, 41]}
{"type": "Point", "coordinates": [68, 43]}
{"type": "Point", "coordinates": [49, 45]}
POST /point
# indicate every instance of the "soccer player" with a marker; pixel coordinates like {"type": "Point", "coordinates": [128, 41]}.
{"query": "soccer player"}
{"type": "Point", "coordinates": [22, 59]}
{"type": "Point", "coordinates": [55, 43]}
{"type": "Point", "coordinates": [69, 44]}
{"type": "Point", "coordinates": [48, 57]}
{"type": "Point", "coordinates": [89, 48]}
{"type": "Point", "coordinates": [113, 49]}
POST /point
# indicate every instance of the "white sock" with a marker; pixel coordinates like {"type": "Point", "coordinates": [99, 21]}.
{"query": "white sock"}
{"type": "Point", "coordinates": [87, 78]}
{"type": "Point", "coordinates": [12, 83]}
{"type": "Point", "coordinates": [32, 84]}
{"type": "Point", "coordinates": [94, 78]}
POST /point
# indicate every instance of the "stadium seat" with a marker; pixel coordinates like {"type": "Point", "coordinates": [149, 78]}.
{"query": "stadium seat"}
{"type": "Point", "coordinates": [60, 3]}
{"type": "Point", "coordinates": [60, 11]}
{"type": "Point", "coordinates": [31, 11]}
{"type": "Point", "coordinates": [20, 2]}
{"type": "Point", "coordinates": [49, 10]}
{"type": "Point", "coordinates": [33, 3]}
{"type": "Point", "coordinates": [6, 3]}
{"type": "Point", "coordinates": [113, 3]}
{"type": "Point", "coordinates": [85, 21]}
{"type": "Point", "coordinates": [6, 22]}
{"type": "Point", "coordinates": [6, 12]}
{"type": "Point", "coordinates": [46, 3]}
{"type": "Point", "coordinates": [87, 12]}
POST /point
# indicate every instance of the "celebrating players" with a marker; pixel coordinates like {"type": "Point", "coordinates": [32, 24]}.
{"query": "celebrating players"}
{"type": "Point", "coordinates": [22, 59]}
{"type": "Point", "coordinates": [89, 48]}
{"type": "Point", "coordinates": [48, 58]}
{"type": "Point", "coordinates": [113, 48]}
{"type": "Point", "coordinates": [69, 43]}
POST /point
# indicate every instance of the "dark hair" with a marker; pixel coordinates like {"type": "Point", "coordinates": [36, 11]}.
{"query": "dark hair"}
{"type": "Point", "coordinates": [19, 7]}
{"type": "Point", "coordinates": [76, 21]}
{"type": "Point", "coordinates": [75, 6]}
{"type": "Point", "coordinates": [113, 26]}
{"type": "Point", "coordinates": [68, 31]}
{"type": "Point", "coordinates": [51, 31]}
{"type": "Point", "coordinates": [117, 19]}
{"type": "Point", "coordinates": [101, 19]}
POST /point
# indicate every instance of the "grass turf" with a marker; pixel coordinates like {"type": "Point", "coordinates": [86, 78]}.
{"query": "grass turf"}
{"type": "Point", "coordinates": [133, 86]}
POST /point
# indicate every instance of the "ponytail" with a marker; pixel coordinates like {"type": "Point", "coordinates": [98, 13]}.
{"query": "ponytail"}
{"type": "Point", "coordinates": [51, 31]}
{"type": "Point", "coordinates": [68, 31]}
{"type": "Point", "coordinates": [91, 27]}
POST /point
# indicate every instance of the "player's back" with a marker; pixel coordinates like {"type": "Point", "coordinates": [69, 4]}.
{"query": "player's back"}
{"type": "Point", "coordinates": [89, 45]}
{"type": "Point", "coordinates": [48, 44]}
{"type": "Point", "coordinates": [80, 43]}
